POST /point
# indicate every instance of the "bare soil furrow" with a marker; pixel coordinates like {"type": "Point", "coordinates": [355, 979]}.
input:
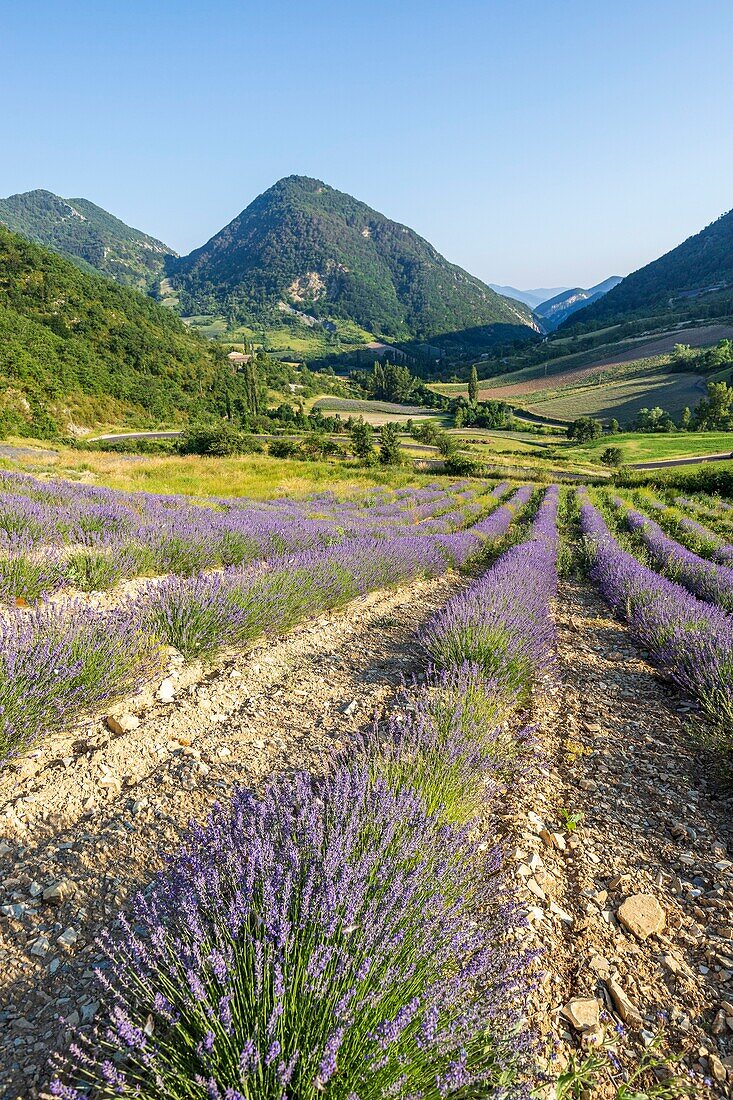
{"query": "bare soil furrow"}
{"type": "Point", "coordinates": [653, 840]}
{"type": "Point", "coordinates": [89, 818]}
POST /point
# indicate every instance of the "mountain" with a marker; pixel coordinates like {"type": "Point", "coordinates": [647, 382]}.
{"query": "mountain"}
{"type": "Point", "coordinates": [531, 298]}
{"type": "Point", "coordinates": [302, 246]}
{"type": "Point", "coordinates": [555, 310]}
{"type": "Point", "coordinates": [87, 235]}
{"type": "Point", "coordinates": [76, 348]}
{"type": "Point", "coordinates": [695, 279]}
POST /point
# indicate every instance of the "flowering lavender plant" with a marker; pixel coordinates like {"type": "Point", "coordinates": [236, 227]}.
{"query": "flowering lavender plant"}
{"type": "Point", "coordinates": [312, 941]}
{"type": "Point", "coordinates": [706, 579]}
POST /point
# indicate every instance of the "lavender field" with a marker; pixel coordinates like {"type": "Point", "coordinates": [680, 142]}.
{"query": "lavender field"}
{"type": "Point", "coordinates": [320, 797]}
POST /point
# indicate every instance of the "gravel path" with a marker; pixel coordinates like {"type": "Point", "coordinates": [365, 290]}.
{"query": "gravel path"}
{"type": "Point", "coordinates": [622, 753]}
{"type": "Point", "coordinates": [88, 816]}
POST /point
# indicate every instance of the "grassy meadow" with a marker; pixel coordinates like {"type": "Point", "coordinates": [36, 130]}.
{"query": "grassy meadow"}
{"type": "Point", "coordinates": [257, 476]}
{"type": "Point", "coordinates": [650, 447]}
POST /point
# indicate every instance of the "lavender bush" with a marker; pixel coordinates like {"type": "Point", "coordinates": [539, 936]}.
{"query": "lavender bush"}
{"type": "Point", "coordinates": [50, 673]}
{"type": "Point", "coordinates": [450, 741]}
{"type": "Point", "coordinates": [314, 941]}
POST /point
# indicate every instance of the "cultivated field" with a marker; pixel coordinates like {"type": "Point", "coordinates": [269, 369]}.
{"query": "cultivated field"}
{"type": "Point", "coordinates": [576, 368]}
{"type": "Point", "coordinates": [406, 791]}
{"type": "Point", "coordinates": [375, 412]}
{"type": "Point", "coordinates": [606, 396]}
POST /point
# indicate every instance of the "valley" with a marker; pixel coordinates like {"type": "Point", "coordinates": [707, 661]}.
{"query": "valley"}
{"type": "Point", "coordinates": [366, 551]}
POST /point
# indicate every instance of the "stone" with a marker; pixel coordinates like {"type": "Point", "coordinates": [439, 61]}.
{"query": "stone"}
{"type": "Point", "coordinates": [68, 937]}
{"type": "Point", "coordinates": [642, 914]}
{"type": "Point", "coordinates": [124, 723]}
{"type": "Point", "coordinates": [59, 892]}
{"type": "Point", "coordinates": [561, 913]}
{"type": "Point", "coordinates": [111, 783]}
{"type": "Point", "coordinates": [166, 693]}
{"type": "Point", "coordinates": [717, 1068]}
{"type": "Point", "coordinates": [584, 1013]}
{"type": "Point", "coordinates": [626, 1009]}
{"type": "Point", "coordinates": [349, 709]}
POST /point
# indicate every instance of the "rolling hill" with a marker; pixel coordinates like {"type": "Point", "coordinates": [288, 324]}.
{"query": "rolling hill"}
{"type": "Point", "coordinates": [76, 348]}
{"type": "Point", "coordinates": [554, 311]}
{"type": "Point", "coordinates": [304, 250]}
{"type": "Point", "coordinates": [693, 280]}
{"type": "Point", "coordinates": [88, 235]}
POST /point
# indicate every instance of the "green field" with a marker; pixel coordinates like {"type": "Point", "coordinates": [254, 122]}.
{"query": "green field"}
{"type": "Point", "coordinates": [643, 447]}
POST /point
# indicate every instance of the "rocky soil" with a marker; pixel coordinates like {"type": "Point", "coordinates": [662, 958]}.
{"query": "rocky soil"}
{"type": "Point", "coordinates": [87, 817]}
{"type": "Point", "coordinates": [634, 906]}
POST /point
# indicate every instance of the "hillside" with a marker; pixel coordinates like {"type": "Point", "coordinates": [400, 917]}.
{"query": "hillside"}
{"type": "Point", "coordinates": [304, 249]}
{"type": "Point", "coordinates": [78, 348]}
{"type": "Point", "coordinates": [87, 235]}
{"type": "Point", "coordinates": [693, 280]}
{"type": "Point", "coordinates": [554, 311]}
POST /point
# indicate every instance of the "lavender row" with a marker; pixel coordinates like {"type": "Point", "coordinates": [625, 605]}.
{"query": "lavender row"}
{"type": "Point", "coordinates": [504, 622]}
{"type": "Point", "coordinates": [322, 938]}
{"type": "Point", "coordinates": [693, 534]}
{"type": "Point", "coordinates": [109, 547]}
{"type": "Point", "coordinates": [690, 640]}
{"type": "Point", "coordinates": [57, 665]}
{"type": "Point", "coordinates": [704, 578]}
{"type": "Point", "coordinates": [720, 547]}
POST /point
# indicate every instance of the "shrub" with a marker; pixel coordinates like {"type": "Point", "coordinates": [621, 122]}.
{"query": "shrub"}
{"type": "Point", "coordinates": [221, 440]}
{"type": "Point", "coordinates": [612, 456]}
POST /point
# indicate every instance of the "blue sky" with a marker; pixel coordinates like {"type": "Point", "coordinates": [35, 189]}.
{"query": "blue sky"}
{"type": "Point", "coordinates": [539, 143]}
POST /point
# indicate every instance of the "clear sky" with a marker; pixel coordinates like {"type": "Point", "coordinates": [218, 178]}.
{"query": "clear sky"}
{"type": "Point", "coordinates": [534, 142]}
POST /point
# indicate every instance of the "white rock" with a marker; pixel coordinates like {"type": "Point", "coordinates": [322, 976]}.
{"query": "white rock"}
{"type": "Point", "coordinates": [166, 693]}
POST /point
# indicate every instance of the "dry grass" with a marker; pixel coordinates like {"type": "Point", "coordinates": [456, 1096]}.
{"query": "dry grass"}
{"type": "Point", "coordinates": [257, 476]}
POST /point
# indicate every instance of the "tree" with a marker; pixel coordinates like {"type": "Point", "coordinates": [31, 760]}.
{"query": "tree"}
{"type": "Point", "coordinates": [585, 429]}
{"type": "Point", "coordinates": [686, 419]}
{"type": "Point", "coordinates": [612, 456]}
{"type": "Point", "coordinates": [362, 440]}
{"type": "Point", "coordinates": [613, 426]}
{"type": "Point", "coordinates": [715, 412]}
{"type": "Point", "coordinates": [390, 452]}
{"type": "Point", "coordinates": [398, 384]}
{"type": "Point", "coordinates": [654, 420]}
{"type": "Point", "coordinates": [473, 385]}
{"type": "Point", "coordinates": [217, 439]}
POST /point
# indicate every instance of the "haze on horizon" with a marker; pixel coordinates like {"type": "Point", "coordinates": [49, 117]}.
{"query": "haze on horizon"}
{"type": "Point", "coordinates": [553, 145]}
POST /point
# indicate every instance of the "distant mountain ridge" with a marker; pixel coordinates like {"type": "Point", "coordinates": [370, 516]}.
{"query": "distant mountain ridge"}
{"type": "Point", "coordinates": [695, 279]}
{"type": "Point", "coordinates": [302, 245]}
{"type": "Point", "coordinates": [88, 235]}
{"type": "Point", "coordinates": [531, 298]}
{"type": "Point", "coordinates": [556, 310]}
